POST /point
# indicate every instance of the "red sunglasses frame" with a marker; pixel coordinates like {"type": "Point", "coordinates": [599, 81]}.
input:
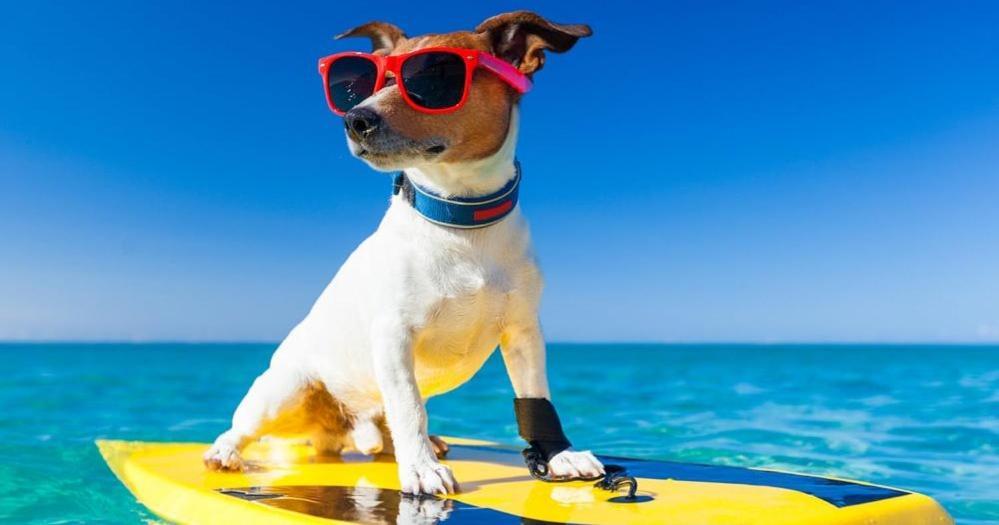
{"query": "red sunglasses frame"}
{"type": "Point", "coordinates": [473, 59]}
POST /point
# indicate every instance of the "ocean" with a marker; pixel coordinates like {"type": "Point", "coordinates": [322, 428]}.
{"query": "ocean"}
{"type": "Point", "coordinates": [918, 417]}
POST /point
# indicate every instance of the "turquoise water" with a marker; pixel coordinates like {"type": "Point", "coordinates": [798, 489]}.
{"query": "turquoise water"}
{"type": "Point", "coordinates": [923, 418]}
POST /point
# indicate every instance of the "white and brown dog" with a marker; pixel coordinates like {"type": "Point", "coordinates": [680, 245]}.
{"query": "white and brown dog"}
{"type": "Point", "coordinates": [418, 307]}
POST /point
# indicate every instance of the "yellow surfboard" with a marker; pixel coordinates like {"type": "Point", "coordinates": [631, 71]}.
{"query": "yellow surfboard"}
{"type": "Point", "coordinates": [289, 483]}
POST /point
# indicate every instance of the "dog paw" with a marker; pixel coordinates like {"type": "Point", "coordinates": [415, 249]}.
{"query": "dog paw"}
{"type": "Point", "coordinates": [427, 477]}
{"type": "Point", "coordinates": [224, 457]}
{"type": "Point", "coordinates": [572, 464]}
{"type": "Point", "coordinates": [439, 447]}
{"type": "Point", "coordinates": [367, 437]}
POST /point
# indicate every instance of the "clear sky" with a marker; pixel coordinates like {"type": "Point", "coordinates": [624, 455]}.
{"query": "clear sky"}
{"type": "Point", "coordinates": [751, 171]}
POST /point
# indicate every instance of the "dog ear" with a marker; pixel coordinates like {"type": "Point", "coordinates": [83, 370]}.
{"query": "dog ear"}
{"type": "Point", "coordinates": [384, 36]}
{"type": "Point", "coordinates": [521, 38]}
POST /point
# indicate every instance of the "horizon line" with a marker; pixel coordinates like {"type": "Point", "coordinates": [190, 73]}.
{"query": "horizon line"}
{"type": "Point", "coordinates": [221, 342]}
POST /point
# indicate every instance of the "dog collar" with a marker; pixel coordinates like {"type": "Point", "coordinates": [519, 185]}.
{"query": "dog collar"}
{"type": "Point", "coordinates": [460, 212]}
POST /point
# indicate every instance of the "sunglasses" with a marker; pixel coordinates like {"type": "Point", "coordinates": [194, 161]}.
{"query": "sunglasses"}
{"type": "Point", "coordinates": [432, 80]}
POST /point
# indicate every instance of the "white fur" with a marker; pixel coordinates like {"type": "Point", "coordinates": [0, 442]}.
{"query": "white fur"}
{"type": "Point", "coordinates": [414, 312]}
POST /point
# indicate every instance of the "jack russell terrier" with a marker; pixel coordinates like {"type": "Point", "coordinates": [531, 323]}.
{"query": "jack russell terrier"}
{"type": "Point", "coordinates": [447, 277]}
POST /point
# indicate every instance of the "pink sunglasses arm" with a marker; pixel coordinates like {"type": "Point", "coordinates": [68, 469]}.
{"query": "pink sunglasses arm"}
{"type": "Point", "coordinates": [505, 71]}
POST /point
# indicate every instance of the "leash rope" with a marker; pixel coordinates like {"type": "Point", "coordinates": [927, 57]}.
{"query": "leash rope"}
{"type": "Point", "coordinates": [615, 476]}
{"type": "Point", "coordinates": [539, 425]}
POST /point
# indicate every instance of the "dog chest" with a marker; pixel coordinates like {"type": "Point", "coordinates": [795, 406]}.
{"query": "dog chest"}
{"type": "Point", "coordinates": [462, 327]}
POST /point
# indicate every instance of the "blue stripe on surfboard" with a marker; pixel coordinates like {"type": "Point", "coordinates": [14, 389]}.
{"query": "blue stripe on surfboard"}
{"type": "Point", "coordinates": [835, 492]}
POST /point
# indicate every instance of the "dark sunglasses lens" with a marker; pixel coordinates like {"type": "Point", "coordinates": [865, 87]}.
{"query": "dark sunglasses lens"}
{"type": "Point", "coordinates": [434, 80]}
{"type": "Point", "coordinates": [352, 79]}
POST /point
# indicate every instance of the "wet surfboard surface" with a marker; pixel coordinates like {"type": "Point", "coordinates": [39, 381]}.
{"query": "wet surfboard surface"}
{"type": "Point", "coordinates": [290, 483]}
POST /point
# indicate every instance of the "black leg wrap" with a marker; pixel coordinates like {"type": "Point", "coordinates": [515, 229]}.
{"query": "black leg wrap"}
{"type": "Point", "coordinates": [538, 424]}
{"type": "Point", "coordinates": [540, 427]}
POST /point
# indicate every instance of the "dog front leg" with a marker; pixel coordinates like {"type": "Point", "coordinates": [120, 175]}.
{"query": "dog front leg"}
{"type": "Point", "coordinates": [523, 351]}
{"type": "Point", "coordinates": [271, 393]}
{"type": "Point", "coordinates": [419, 470]}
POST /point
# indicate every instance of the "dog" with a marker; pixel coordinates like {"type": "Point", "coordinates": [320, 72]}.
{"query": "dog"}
{"type": "Point", "coordinates": [419, 306]}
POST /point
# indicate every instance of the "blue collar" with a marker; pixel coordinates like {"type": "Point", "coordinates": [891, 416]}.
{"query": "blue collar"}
{"type": "Point", "coordinates": [460, 212]}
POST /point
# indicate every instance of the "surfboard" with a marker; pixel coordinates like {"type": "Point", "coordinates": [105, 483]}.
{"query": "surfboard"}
{"type": "Point", "coordinates": [290, 483]}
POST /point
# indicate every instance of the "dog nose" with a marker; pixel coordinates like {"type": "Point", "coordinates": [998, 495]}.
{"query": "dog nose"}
{"type": "Point", "coordinates": [362, 121]}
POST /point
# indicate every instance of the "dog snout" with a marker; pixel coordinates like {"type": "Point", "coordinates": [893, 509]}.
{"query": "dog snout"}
{"type": "Point", "coordinates": [362, 122]}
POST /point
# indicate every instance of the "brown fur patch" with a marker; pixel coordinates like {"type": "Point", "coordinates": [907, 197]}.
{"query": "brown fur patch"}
{"type": "Point", "coordinates": [521, 37]}
{"type": "Point", "coordinates": [479, 128]}
{"type": "Point", "coordinates": [475, 131]}
{"type": "Point", "coordinates": [314, 411]}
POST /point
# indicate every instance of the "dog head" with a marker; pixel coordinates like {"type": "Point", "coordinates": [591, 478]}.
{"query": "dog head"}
{"type": "Point", "coordinates": [389, 135]}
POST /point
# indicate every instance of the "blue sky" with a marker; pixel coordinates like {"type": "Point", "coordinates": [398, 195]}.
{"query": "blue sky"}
{"type": "Point", "coordinates": [751, 171]}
